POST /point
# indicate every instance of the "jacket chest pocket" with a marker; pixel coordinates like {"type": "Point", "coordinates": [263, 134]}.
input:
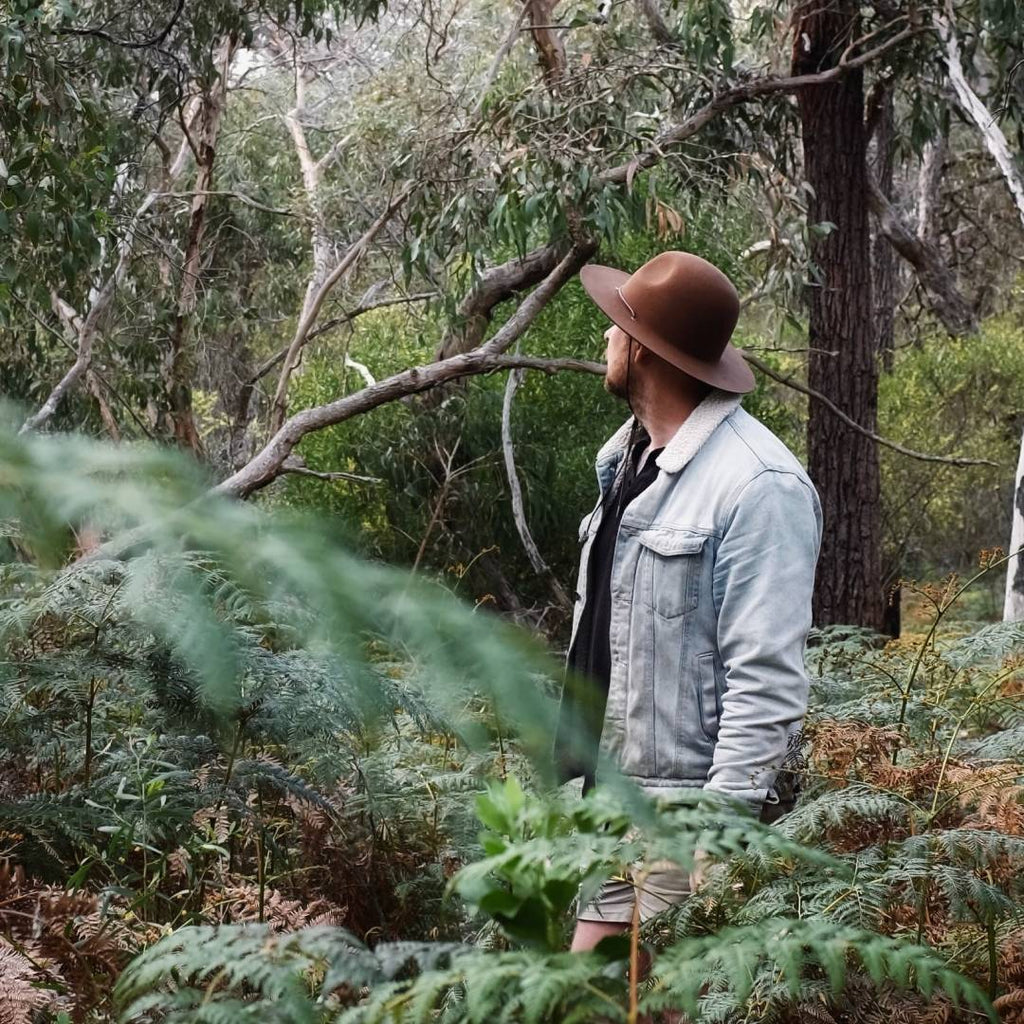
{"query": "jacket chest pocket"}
{"type": "Point", "coordinates": [673, 563]}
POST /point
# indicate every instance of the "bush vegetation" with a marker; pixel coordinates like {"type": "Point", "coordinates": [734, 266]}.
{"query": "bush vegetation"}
{"type": "Point", "coordinates": [243, 768]}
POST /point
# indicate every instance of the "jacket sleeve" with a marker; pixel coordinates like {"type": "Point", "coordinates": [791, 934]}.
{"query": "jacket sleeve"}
{"type": "Point", "coordinates": [763, 582]}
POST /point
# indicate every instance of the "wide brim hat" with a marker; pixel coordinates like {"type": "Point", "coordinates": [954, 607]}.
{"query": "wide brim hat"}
{"type": "Point", "coordinates": [682, 308]}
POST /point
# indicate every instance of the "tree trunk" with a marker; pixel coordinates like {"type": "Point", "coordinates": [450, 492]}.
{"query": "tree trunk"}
{"type": "Point", "coordinates": [1013, 609]}
{"type": "Point", "coordinates": [883, 260]}
{"type": "Point", "coordinates": [842, 462]}
{"type": "Point", "coordinates": [178, 362]}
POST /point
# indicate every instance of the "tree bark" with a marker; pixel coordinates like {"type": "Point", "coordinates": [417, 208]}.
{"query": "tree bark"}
{"type": "Point", "coordinates": [1013, 607]}
{"type": "Point", "coordinates": [843, 462]}
{"type": "Point", "coordinates": [948, 303]}
{"type": "Point", "coordinates": [540, 15]}
{"type": "Point", "coordinates": [883, 262]}
{"type": "Point", "coordinates": [178, 363]}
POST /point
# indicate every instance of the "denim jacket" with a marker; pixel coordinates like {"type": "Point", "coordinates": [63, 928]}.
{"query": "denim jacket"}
{"type": "Point", "coordinates": [711, 587]}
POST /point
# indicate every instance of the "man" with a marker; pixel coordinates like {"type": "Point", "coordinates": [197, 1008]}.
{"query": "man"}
{"type": "Point", "coordinates": [694, 594]}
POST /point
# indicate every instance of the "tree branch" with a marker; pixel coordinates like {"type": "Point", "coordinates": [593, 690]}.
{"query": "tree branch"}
{"type": "Point", "coordinates": [312, 308]}
{"type": "Point", "coordinates": [143, 44]}
{"type": "Point", "coordinates": [494, 286]}
{"type": "Point", "coordinates": [240, 196]}
{"type": "Point", "coordinates": [995, 140]}
{"type": "Point", "coordinates": [516, 492]}
{"type": "Point", "coordinates": [948, 302]}
{"type": "Point", "coordinates": [742, 93]}
{"type": "Point", "coordinates": [950, 460]}
{"type": "Point", "coordinates": [339, 321]}
{"type": "Point", "coordinates": [266, 465]}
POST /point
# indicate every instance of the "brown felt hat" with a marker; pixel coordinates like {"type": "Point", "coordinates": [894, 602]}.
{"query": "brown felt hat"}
{"type": "Point", "coordinates": [682, 308]}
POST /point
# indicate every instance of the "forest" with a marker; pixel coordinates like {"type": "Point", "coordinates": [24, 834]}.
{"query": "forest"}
{"type": "Point", "coordinates": [300, 400]}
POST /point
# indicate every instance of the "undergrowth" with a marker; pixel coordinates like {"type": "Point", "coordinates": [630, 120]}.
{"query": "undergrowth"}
{"type": "Point", "coordinates": [245, 775]}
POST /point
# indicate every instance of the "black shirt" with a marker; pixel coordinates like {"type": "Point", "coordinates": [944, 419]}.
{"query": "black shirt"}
{"type": "Point", "coordinates": [590, 656]}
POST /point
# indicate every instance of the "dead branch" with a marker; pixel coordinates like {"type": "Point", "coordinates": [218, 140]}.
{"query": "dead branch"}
{"type": "Point", "coordinates": [266, 465]}
{"type": "Point", "coordinates": [516, 492]}
{"type": "Point", "coordinates": [950, 460]}
{"type": "Point", "coordinates": [948, 302]}
{"type": "Point", "coordinates": [994, 138]}
{"type": "Point", "coordinates": [312, 307]}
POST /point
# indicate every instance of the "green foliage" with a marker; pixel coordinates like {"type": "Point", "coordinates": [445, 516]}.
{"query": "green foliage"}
{"type": "Point", "coordinates": [958, 396]}
{"type": "Point", "coordinates": [239, 737]}
{"type": "Point", "coordinates": [537, 855]}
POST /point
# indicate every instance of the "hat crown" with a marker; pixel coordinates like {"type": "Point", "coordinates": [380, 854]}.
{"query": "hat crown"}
{"type": "Point", "coordinates": [689, 302]}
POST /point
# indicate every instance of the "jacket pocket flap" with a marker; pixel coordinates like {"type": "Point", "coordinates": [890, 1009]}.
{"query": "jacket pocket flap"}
{"type": "Point", "coordinates": [671, 542]}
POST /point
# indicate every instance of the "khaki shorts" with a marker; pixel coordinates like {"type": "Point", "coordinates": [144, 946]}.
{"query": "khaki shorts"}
{"type": "Point", "coordinates": [660, 887]}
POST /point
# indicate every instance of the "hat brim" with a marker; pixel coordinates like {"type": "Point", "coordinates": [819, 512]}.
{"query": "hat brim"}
{"type": "Point", "coordinates": [729, 372]}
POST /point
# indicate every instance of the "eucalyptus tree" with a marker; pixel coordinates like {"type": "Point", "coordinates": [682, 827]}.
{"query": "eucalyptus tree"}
{"type": "Point", "coordinates": [411, 159]}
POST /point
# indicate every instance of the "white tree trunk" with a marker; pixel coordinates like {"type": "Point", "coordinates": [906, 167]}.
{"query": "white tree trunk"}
{"type": "Point", "coordinates": [973, 107]}
{"type": "Point", "coordinates": [1013, 608]}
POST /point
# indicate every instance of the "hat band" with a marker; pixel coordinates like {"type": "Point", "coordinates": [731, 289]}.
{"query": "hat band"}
{"type": "Point", "coordinates": [632, 313]}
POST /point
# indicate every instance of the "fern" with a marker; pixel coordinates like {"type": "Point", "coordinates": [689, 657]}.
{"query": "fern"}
{"type": "Point", "coordinates": [767, 962]}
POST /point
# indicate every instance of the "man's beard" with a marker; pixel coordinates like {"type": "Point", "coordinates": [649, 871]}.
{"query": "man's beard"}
{"type": "Point", "coordinates": [616, 387]}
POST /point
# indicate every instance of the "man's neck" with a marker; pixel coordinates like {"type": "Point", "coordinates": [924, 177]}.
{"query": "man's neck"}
{"type": "Point", "coordinates": [663, 418]}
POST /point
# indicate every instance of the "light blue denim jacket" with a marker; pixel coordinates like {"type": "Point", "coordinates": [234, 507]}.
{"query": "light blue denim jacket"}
{"type": "Point", "coordinates": [710, 607]}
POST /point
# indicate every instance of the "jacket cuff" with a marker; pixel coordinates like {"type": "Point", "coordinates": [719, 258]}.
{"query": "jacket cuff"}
{"type": "Point", "coordinates": [755, 799]}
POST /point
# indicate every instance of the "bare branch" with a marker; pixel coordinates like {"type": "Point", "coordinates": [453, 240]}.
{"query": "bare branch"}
{"type": "Point", "coordinates": [496, 285]}
{"type": "Point", "coordinates": [948, 302]}
{"type": "Point", "coordinates": [241, 197]}
{"type": "Point", "coordinates": [329, 325]}
{"type": "Point", "coordinates": [312, 308]}
{"type": "Point", "coordinates": [995, 140]}
{"type": "Point", "coordinates": [950, 460]}
{"type": "Point", "coordinates": [349, 477]}
{"type": "Point", "coordinates": [266, 465]}
{"type": "Point", "coordinates": [516, 491]}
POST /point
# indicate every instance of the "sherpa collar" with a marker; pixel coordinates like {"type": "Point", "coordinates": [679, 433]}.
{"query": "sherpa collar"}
{"type": "Point", "coordinates": [688, 439]}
